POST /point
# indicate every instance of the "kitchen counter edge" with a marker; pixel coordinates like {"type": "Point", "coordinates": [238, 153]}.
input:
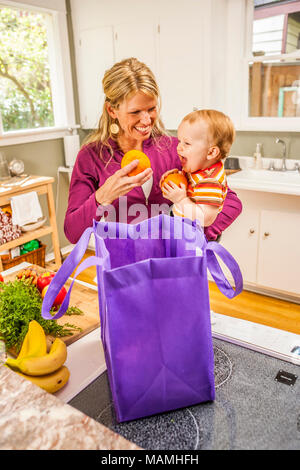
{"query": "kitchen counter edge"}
{"type": "Point", "coordinates": [32, 419]}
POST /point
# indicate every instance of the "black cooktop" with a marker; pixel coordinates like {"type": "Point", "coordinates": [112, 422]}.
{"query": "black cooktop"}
{"type": "Point", "coordinates": [256, 408]}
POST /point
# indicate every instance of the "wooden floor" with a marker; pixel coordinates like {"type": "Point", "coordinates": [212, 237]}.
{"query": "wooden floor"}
{"type": "Point", "coordinates": [257, 308]}
{"type": "Point", "coordinates": [249, 306]}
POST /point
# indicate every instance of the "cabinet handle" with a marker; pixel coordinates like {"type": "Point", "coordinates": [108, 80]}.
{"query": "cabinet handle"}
{"type": "Point", "coordinates": [266, 234]}
{"type": "Point", "coordinates": [252, 230]}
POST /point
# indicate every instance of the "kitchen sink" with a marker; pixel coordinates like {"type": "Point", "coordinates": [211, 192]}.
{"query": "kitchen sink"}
{"type": "Point", "coordinates": [276, 177]}
{"type": "Point", "coordinates": [285, 182]}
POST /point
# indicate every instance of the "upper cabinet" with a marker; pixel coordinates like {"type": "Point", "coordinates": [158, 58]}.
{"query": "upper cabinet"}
{"type": "Point", "coordinates": [194, 48]}
{"type": "Point", "coordinates": [137, 39]}
{"type": "Point", "coordinates": [181, 75]}
{"type": "Point", "coordinates": [95, 54]}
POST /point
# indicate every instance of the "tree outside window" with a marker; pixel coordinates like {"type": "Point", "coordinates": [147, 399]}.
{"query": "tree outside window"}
{"type": "Point", "coordinates": [25, 89]}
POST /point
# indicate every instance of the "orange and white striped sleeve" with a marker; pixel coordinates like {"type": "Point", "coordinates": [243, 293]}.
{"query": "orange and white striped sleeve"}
{"type": "Point", "coordinates": [207, 193]}
{"type": "Point", "coordinates": [208, 189]}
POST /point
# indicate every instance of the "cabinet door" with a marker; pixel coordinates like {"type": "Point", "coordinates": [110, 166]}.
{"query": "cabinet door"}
{"type": "Point", "coordinates": [95, 56]}
{"type": "Point", "coordinates": [279, 251]}
{"type": "Point", "coordinates": [137, 39]}
{"type": "Point", "coordinates": [181, 68]}
{"type": "Point", "coordinates": [241, 240]}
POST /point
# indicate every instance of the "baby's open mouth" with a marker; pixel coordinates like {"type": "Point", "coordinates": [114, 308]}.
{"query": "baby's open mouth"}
{"type": "Point", "coordinates": [183, 160]}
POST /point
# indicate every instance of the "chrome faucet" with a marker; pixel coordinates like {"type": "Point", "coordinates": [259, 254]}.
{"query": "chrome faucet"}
{"type": "Point", "coordinates": [279, 141]}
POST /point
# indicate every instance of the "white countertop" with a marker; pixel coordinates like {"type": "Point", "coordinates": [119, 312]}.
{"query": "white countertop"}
{"type": "Point", "coordinates": [249, 178]}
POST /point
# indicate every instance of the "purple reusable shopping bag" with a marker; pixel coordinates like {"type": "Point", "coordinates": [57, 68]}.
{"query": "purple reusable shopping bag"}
{"type": "Point", "coordinates": [154, 310]}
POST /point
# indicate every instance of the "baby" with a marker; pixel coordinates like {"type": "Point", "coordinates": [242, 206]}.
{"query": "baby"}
{"type": "Point", "coordinates": [205, 138]}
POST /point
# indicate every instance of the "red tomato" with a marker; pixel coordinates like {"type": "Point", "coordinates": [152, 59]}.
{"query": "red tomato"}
{"type": "Point", "coordinates": [43, 280]}
{"type": "Point", "coordinates": [59, 298]}
{"type": "Point", "coordinates": [1, 278]}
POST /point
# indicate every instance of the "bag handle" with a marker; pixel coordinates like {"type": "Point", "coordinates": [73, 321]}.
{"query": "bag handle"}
{"type": "Point", "coordinates": [213, 248]}
{"type": "Point", "coordinates": [55, 287]}
{"type": "Point", "coordinates": [65, 272]}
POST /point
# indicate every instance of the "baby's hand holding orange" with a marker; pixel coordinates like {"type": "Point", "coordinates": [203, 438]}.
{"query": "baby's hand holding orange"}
{"type": "Point", "coordinates": [174, 176]}
{"type": "Point", "coordinates": [174, 185]}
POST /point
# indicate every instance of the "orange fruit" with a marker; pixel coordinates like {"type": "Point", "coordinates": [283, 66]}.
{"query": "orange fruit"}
{"type": "Point", "coordinates": [176, 178]}
{"type": "Point", "coordinates": [144, 161]}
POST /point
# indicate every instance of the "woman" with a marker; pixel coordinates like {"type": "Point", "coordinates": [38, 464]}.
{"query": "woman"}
{"type": "Point", "coordinates": [130, 120]}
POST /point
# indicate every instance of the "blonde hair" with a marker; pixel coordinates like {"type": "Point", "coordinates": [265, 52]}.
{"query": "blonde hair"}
{"type": "Point", "coordinates": [220, 126]}
{"type": "Point", "coordinates": [121, 81]}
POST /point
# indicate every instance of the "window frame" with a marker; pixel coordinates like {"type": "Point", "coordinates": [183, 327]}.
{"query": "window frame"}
{"type": "Point", "coordinates": [245, 122]}
{"type": "Point", "coordinates": [60, 76]}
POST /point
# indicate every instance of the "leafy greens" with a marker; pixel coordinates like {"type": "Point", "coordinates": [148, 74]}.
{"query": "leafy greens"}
{"type": "Point", "coordinates": [19, 304]}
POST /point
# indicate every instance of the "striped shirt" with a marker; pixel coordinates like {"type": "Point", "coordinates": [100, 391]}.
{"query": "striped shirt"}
{"type": "Point", "coordinates": [207, 186]}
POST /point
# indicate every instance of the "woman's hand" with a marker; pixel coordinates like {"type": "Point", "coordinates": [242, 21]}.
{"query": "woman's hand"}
{"type": "Point", "coordinates": [173, 192]}
{"type": "Point", "coordinates": [120, 183]}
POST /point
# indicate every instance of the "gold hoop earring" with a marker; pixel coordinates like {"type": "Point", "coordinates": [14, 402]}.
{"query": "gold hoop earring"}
{"type": "Point", "coordinates": [114, 128]}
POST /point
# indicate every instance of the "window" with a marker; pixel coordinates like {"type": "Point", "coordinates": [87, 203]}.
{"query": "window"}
{"type": "Point", "coordinates": [274, 68]}
{"type": "Point", "coordinates": [25, 87]}
{"type": "Point", "coordinates": [36, 95]}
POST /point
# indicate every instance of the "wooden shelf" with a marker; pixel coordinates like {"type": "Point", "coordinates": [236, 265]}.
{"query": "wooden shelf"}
{"type": "Point", "coordinates": [42, 185]}
{"type": "Point", "coordinates": [27, 237]}
{"type": "Point", "coordinates": [39, 184]}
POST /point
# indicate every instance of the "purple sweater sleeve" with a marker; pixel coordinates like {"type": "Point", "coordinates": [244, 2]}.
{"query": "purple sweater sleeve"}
{"type": "Point", "coordinates": [231, 210]}
{"type": "Point", "coordinates": [82, 205]}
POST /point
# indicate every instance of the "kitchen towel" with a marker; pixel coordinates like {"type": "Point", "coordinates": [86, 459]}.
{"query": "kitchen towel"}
{"type": "Point", "coordinates": [71, 147]}
{"type": "Point", "coordinates": [154, 310]}
{"type": "Point", "coordinates": [25, 208]}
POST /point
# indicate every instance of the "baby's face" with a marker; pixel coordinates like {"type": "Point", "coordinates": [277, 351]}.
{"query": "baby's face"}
{"type": "Point", "coordinates": [194, 144]}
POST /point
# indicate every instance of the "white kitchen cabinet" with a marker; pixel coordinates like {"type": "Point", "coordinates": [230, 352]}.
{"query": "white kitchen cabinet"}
{"type": "Point", "coordinates": [137, 39]}
{"type": "Point", "coordinates": [279, 251]}
{"type": "Point", "coordinates": [181, 72]}
{"type": "Point", "coordinates": [241, 240]}
{"type": "Point", "coordinates": [186, 43]}
{"type": "Point", "coordinates": [264, 240]}
{"type": "Point", "coordinates": [95, 55]}
{"type": "Point", "coordinates": [98, 49]}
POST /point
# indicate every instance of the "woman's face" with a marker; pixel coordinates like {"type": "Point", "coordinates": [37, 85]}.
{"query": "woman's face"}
{"type": "Point", "coordinates": [136, 116]}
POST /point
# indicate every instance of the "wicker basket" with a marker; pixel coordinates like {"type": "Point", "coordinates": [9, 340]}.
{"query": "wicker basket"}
{"type": "Point", "coordinates": [33, 257]}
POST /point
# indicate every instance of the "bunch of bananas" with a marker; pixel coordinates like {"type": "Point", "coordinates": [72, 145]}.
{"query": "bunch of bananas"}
{"type": "Point", "coordinates": [34, 363]}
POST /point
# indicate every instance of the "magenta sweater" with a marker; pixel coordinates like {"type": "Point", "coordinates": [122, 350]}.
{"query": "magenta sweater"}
{"type": "Point", "coordinates": [90, 172]}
